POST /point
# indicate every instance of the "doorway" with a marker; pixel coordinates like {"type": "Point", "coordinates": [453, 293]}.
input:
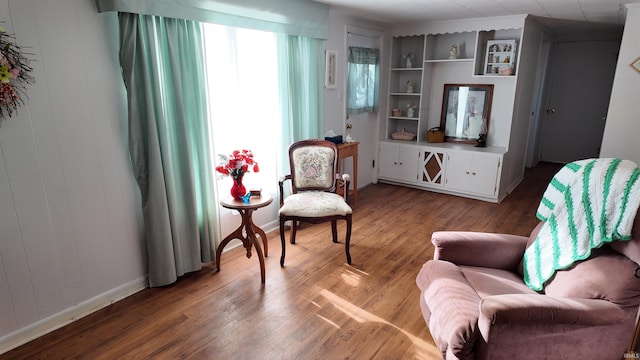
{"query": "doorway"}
{"type": "Point", "coordinates": [578, 99]}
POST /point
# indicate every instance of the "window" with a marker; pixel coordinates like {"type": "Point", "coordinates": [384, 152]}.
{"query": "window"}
{"type": "Point", "coordinates": [363, 80]}
{"type": "Point", "coordinates": [244, 108]}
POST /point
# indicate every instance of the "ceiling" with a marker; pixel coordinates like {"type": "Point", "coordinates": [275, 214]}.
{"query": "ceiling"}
{"type": "Point", "coordinates": [593, 12]}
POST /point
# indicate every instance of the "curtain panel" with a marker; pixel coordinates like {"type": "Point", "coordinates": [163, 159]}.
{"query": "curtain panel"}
{"type": "Point", "coordinates": [163, 70]}
{"type": "Point", "coordinates": [293, 17]}
{"type": "Point", "coordinates": [363, 80]}
{"type": "Point", "coordinates": [301, 74]}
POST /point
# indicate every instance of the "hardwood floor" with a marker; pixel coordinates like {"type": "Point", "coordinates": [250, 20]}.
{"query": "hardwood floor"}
{"type": "Point", "coordinates": [316, 307]}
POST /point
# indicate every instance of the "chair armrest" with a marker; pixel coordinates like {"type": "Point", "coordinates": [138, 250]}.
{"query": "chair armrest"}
{"type": "Point", "coordinates": [343, 182]}
{"type": "Point", "coordinates": [499, 251]}
{"type": "Point", "coordinates": [534, 309]}
{"type": "Point", "coordinates": [281, 186]}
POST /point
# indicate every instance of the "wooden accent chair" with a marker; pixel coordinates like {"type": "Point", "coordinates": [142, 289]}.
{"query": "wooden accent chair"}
{"type": "Point", "coordinates": [314, 180]}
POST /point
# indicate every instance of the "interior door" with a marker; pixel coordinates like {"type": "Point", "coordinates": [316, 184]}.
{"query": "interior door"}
{"type": "Point", "coordinates": [581, 82]}
{"type": "Point", "coordinates": [362, 127]}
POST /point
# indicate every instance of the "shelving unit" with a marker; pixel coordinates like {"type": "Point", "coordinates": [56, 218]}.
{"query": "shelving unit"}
{"type": "Point", "coordinates": [400, 76]}
{"type": "Point", "coordinates": [444, 167]}
{"type": "Point", "coordinates": [484, 65]}
{"type": "Point", "coordinates": [500, 57]}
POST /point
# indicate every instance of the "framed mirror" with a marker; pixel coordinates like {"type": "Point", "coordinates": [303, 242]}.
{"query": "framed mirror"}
{"type": "Point", "coordinates": [466, 110]}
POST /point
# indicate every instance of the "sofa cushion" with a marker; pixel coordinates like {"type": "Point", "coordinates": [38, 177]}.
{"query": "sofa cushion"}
{"type": "Point", "coordinates": [454, 308]}
{"type": "Point", "coordinates": [605, 275]}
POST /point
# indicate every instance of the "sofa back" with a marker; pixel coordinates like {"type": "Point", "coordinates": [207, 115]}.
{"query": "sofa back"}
{"type": "Point", "coordinates": [631, 248]}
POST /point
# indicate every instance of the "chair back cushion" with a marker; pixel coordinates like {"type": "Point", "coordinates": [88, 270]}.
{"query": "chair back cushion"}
{"type": "Point", "coordinates": [313, 165]}
{"type": "Point", "coordinates": [631, 248]}
{"type": "Point", "coordinates": [606, 274]}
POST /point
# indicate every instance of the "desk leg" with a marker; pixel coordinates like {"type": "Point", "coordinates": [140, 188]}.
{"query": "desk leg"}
{"type": "Point", "coordinates": [355, 177]}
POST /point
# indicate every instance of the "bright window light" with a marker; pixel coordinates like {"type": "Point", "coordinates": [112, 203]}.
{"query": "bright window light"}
{"type": "Point", "coordinates": [244, 106]}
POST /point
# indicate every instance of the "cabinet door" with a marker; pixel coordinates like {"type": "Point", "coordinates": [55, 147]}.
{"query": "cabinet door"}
{"type": "Point", "coordinates": [458, 172]}
{"type": "Point", "coordinates": [388, 160]}
{"type": "Point", "coordinates": [432, 167]}
{"type": "Point", "coordinates": [398, 162]}
{"type": "Point", "coordinates": [407, 163]}
{"type": "Point", "coordinates": [484, 174]}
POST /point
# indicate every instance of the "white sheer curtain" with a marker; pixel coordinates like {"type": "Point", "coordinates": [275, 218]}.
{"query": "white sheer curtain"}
{"type": "Point", "coordinates": [244, 105]}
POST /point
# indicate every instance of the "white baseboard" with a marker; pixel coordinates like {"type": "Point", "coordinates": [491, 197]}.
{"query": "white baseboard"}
{"type": "Point", "coordinates": [69, 315]}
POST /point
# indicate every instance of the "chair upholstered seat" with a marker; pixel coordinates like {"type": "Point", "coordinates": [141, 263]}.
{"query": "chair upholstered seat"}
{"type": "Point", "coordinates": [314, 204]}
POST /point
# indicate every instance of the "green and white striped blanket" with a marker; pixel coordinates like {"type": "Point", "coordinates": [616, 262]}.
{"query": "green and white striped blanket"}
{"type": "Point", "coordinates": [586, 204]}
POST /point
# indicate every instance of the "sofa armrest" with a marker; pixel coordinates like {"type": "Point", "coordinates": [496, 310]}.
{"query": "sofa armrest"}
{"type": "Point", "coordinates": [499, 251]}
{"type": "Point", "coordinates": [534, 309]}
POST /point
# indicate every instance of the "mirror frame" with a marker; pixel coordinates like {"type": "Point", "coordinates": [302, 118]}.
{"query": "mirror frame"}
{"type": "Point", "coordinates": [451, 96]}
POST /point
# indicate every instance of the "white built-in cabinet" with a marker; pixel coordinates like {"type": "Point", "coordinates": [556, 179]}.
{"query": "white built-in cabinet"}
{"type": "Point", "coordinates": [473, 173]}
{"type": "Point", "coordinates": [398, 162]}
{"type": "Point", "coordinates": [454, 168]}
{"type": "Point", "coordinates": [443, 167]}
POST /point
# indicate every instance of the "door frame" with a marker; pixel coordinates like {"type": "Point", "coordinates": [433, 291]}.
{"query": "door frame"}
{"type": "Point", "coordinates": [541, 94]}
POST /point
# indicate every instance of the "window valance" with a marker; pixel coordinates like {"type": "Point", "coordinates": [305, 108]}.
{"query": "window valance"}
{"type": "Point", "coordinates": [292, 17]}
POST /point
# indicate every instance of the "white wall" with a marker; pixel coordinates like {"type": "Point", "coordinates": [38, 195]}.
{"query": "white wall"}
{"type": "Point", "coordinates": [70, 229]}
{"type": "Point", "coordinates": [622, 131]}
{"type": "Point", "coordinates": [70, 224]}
{"type": "Point", "coordinates": [334, 99]}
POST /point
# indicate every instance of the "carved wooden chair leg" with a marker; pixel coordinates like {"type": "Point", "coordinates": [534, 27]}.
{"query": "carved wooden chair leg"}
{"type": "Point", "coordinates": [294, 228]}
{"type": "Point", "coordinates": [348, 240]}
{"type": "Point", "coordinates": [334, 230]}
{"type": "Point", "coordinates": [282, 241]}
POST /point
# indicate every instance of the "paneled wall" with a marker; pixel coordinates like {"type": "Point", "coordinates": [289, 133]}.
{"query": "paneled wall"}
{"type": "Point", "coordinates": [70, 225]}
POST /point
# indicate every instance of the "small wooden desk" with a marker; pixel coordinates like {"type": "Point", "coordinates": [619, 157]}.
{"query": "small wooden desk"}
{"type": "Point", "coordinates": [346, 150]}
{"type": "Point", "coordinates": [248, 227]}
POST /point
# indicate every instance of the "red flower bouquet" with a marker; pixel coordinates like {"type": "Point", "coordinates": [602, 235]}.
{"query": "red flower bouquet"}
{"type": "Point", "coordinates": [236, 165]}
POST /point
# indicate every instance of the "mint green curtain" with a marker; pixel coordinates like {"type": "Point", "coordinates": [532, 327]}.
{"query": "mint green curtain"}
{"type": "Point", "coordinates": [294, 17]}
{"type": "Point", "coordinates": [163, 70]}
{"type": "Point", "coordinates": [300, 62]}
{"type": "Point", "coordinates": [363, 80]}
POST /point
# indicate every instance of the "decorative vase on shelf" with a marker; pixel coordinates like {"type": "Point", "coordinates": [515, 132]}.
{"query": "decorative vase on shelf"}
{"type": "Point", "coordinates": [238, 191]}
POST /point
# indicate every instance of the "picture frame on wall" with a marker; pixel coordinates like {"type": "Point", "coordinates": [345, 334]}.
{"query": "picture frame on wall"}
{"type": "Point", "coordinates": [330, 69]}
{"type": "Point", "coordinates": [466, 110]}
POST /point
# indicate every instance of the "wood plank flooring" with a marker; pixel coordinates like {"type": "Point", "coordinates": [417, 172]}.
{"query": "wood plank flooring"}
{"type": "Point", "coordinates": [316, 307]}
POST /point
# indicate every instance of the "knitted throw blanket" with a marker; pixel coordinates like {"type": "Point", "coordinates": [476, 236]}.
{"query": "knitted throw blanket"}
{"type": "Point", "coordinates": [587, 203]}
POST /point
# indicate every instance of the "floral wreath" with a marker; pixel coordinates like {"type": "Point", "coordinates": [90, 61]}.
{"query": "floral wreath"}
{"type": "Point", "coordinates": [15, 74]}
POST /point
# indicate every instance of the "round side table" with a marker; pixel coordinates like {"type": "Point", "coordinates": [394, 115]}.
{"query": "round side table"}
{"type": "Point", "coordinates": [246, 232]}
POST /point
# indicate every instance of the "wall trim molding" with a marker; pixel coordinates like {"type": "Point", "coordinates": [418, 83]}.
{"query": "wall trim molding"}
{"type": "Point", "coordinates": [71, 314]}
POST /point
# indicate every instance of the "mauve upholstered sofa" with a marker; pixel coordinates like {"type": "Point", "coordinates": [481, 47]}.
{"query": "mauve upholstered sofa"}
{"type": "Point", "coordinates": [477, 306]}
